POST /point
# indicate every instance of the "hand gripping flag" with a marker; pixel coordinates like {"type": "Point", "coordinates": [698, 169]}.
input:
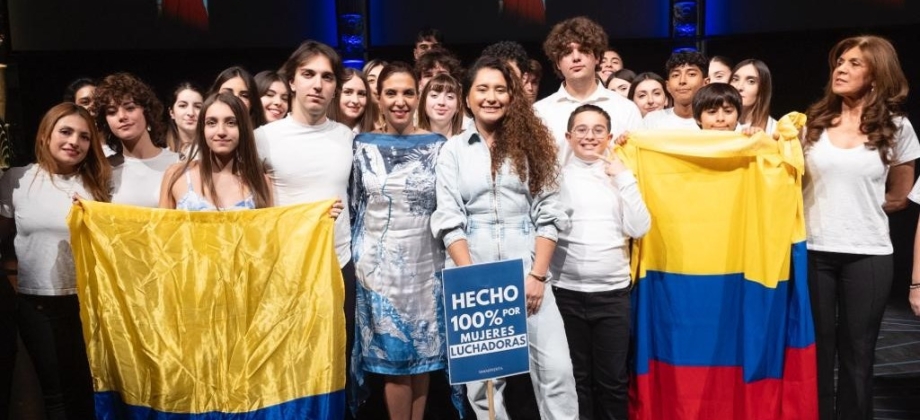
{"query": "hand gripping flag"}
{"type": "Point", "coordinates": [722, 320]}
{"type": "Point", "coordinates": [211, 315]}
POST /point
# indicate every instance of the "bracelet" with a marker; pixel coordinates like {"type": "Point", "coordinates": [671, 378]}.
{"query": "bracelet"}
{"type": "Point", "coordinates": [542, 279]}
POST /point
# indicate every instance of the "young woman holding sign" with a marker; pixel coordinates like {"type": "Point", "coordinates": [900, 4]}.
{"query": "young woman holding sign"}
{"type": "Point", "coordinates": [497, 200]}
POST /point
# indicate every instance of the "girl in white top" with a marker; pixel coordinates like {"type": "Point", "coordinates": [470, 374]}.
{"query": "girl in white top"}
{"type": "Point", "coordinates": [755, 84]}
{"type": "Point", "coordinates": [34, 202]}
{"type": "Point", "coordinates": [591, 262]}
{"type": "Point", "coordinates": [130, 117]}
{"type": "Point", "coordinates": [224, 171]}
{"type": "Point", "coordinates": [858, 166]}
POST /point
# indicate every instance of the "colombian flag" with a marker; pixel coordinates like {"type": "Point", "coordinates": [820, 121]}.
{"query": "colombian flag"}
{"type": "Point", "coordinates": [722, 321]}
{"type": "Point", "coordinates": [211, 315]}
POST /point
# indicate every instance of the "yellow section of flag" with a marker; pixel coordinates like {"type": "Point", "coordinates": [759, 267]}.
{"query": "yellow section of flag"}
{"type": "Point", "coordinates": [197, 312]}
{"type": "Point", "coordinates": [729, 178]}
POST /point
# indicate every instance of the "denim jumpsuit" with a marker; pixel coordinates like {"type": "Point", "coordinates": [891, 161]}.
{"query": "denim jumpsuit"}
{"type": "Point", "coordinates": [501, 220]}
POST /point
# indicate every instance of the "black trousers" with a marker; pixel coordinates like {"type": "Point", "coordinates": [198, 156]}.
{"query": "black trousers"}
{"type": "Point", "coordinates": [597, 329]}
{"type": "Point", "coordinates": [51, 331]}
{"type": "Point", "coordinates": [348, 276]}
{"type": "Point", "coordinates": [7, 344]}
{"type": "Point", "coordinates": [848, 297]}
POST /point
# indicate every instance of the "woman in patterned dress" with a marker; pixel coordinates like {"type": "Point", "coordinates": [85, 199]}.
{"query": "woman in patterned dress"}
{"type": "Point", "coordinates": [399, 313]}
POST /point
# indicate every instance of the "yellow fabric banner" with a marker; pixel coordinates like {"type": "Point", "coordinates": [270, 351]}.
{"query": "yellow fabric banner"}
{"type": "Point", "coordinates": [211, 312]}
{"type": "Point", "coordinates": [706, 187]}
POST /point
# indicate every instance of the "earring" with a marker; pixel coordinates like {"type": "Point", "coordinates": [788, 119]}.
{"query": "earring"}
{"type": "Point", "coordinates": [148, 128]}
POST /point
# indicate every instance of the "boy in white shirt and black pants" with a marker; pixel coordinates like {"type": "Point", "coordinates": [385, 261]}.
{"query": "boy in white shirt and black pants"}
{"type": "Point", "coordinates": [591, 263]}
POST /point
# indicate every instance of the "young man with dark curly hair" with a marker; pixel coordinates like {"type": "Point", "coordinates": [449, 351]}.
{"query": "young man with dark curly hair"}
{"type": "Point", "coordinates": [575, 47]}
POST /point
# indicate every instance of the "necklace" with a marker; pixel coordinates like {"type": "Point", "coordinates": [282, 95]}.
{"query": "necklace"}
{"type": "Point", "coordinates": [65, 183]}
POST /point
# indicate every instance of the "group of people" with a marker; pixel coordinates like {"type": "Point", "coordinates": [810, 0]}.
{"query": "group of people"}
{"type": "Point", "coordinates": [435, 166]}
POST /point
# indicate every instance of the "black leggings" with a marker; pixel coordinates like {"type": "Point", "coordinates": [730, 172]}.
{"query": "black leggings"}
{"type": "Point", "coordinates": [848, 297]}
{"type": "Point", "coordinates": [51, 331]}
{"type": "Point", "coordinates": [7, 344]}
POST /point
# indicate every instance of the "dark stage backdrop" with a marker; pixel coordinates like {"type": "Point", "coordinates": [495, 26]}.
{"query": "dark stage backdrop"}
{"type": "Point", "coordinates": [54, 25]}
{"type": "Point", "coordinates": [395, 22]}
{"type": "Point", "coordinates": [731, 17]}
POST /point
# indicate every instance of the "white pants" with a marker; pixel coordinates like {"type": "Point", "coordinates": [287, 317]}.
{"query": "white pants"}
{"type": "Point", "coordinates": [550, 369]}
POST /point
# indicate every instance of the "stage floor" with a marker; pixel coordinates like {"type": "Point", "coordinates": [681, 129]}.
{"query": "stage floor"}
{"type": "Point", "coordinates": [897, 372]}
{"type": "Point", "coordinates": [897, 364]}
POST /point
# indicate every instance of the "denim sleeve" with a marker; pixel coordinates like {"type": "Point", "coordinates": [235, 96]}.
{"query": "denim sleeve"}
{"type": "Point", "coordinates": [448, 222]}
{"type": "Point", "coordinates": [549, 214]}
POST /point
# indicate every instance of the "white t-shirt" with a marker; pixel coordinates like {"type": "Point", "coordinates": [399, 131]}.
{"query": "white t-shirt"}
{"type": "Point", "coordinates": [137, 181]}
{"type": "Point", "coordinates": [844, 190]}
{"type": "Point", "coordinates": [667, 119]}
{"type": "Point", "coordinates": [555, 110]}
{"type": "Point", "coordinates": [108, 150]}
{"type": "Point", "coordinates": [39, 208]}
{"type": "Point", "coordinates": [593, 256]}
{"type": "Point", "coordinates": [310, 163]}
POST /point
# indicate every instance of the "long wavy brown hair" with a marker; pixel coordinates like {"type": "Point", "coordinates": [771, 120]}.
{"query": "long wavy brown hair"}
{"type": "Point", "coordinates": [880, 105]}
{"type": "Point", "coordinates": [95, 172]}
{"type": "Point", "coordinates": [521, 136]}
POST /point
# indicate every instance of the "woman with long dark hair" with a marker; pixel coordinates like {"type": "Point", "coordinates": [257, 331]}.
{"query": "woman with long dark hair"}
{"type": "Point", "coordinates": [498, 199]}
{"type": "Point", "coordinates": [755, 84]}
{"type": "Point", "coordinates": [859, 166]}
{"type": "Point", "coordinates": [224, 171]}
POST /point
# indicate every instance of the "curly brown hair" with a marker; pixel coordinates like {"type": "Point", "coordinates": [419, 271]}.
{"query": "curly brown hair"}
{"type": "Point", "coordinates": [119, 87]}
{"type": "Point", "coordinates": [521, 135]}
{"type": "Point", "coordinates": [880, 104]}
{"type": "Point", "coordinates": [588, 34]}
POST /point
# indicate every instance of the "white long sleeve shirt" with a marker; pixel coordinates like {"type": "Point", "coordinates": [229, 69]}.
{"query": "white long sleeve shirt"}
{"type": "Point", "coordinates": [593, 256]}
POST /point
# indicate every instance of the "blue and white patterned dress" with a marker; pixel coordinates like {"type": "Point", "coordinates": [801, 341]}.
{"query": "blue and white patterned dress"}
{"type": "Point", "coordinates": [397, 260]}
